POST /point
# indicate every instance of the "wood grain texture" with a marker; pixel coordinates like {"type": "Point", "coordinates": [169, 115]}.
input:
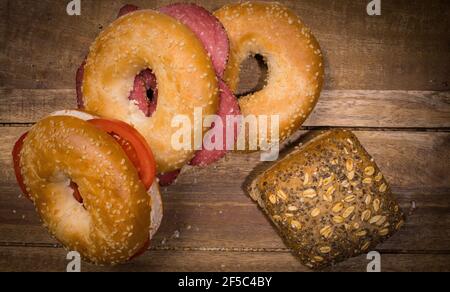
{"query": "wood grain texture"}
{"type": "Point", "coordinates": [208, 211]}
{"type": "Point", "coordinates": [404, 49]}
{"type": "Point", "coordinates": [337, 108]}
{"type": "Point", "coordinates": [53, 259]}
{"type": "Point", "coordinates": [387, 78]}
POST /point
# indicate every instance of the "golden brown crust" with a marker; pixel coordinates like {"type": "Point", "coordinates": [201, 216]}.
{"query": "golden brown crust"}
{"type": "Point", "coordinates": [328, 200]}
{"type": "Point", "coordinates": [186, 78]}
{"type": "Point", "coordinates": [115, 220]}
{"type": "Point", "coordinates": [293, 57]}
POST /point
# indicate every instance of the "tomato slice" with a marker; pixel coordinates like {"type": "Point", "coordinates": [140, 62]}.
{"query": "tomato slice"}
{"type": "Point", "coordinates": [16, 160]}
{"type": "Point", "coordinates": [134, 146]}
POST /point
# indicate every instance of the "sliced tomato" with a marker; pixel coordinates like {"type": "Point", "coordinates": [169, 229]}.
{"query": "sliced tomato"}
{"type": "Point", "coordinates": [16, 159]}
{"type": "Point", "coordinates": [134, 146]}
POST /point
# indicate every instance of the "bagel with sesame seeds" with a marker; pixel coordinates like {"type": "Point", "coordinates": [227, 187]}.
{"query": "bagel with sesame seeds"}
{"type": "Point", "coordinates": [293, 57]}
{"type": "Point", "coordinates": [186, 79]}
{"type": "Point", "coordinates": [88, 187]}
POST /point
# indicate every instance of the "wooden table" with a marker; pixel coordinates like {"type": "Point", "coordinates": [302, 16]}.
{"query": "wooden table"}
{"type": "Point", "coordinates": [387, 78]}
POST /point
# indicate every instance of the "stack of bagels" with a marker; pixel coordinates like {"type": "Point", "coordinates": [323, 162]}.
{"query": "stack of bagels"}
{"type": "Point", "coordinates": [94, 173]}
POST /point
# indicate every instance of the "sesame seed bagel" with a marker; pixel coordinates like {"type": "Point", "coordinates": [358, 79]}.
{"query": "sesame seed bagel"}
{"type": "Point", "coordinates": [113, 222]}
{"type": "Point", "coordinates": [154, 192]}
{"type": "Point", "coordinates": [293, 58]}
{"type": "Point", "coordinates": [186, 79]}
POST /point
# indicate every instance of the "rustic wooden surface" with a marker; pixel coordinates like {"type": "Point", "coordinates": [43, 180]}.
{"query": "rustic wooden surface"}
{"type": "Point", "coordinates": [387, 79]}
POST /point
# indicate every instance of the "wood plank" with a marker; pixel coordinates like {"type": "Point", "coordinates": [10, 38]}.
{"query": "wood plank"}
{"type": "Point", "coordinates": [405, 48]}
{"type": "Point", "coordinates": [54, 259]}
{"type": "Point", "coordinates": [233, 225]}
{"type": "Point", "coordinates": [354, 108]}
{"type": "Point", "coordinates": [212, 212]}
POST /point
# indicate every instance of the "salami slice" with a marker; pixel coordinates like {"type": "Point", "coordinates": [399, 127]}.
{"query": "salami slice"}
{"type": "Point", "coordinates": [166, 179]}
{"type": "Point", "coordinates": [215, 39]}
{"type": "Point", "coordinates": [127, 9]}
{"type": "Point", "coordinates": [228, 108]}
{"type": "Point", "coordinates": [207, 28]}
{"type": "Point", "coordinates": [79, 84]}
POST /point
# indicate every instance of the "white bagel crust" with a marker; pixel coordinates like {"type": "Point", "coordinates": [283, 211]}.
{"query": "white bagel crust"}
{"type": "Point", "coordinates": [156, 214]}
{"type": "Point", "coordinates": [113, 222]}
{"type": "Point", "coordinates": [293, 57]}
{"type": "Point", "coordinates": [74, 113]}
{"type": "Point", "coordinates": [186, 78]}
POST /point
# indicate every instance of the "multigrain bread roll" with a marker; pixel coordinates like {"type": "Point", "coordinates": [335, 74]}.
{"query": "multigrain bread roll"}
{"type": "Point", "coordinates": [328, 200]}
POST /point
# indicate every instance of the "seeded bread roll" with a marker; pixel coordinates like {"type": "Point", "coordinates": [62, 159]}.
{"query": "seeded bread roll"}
{"type": "Point", "coordinates": [328, 200]}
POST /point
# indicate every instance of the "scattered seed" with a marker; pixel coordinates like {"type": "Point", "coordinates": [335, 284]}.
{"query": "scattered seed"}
{"type": "Point", "coordinates": [282, 195]}
{"type": "Point", "coordinates": [376, 205]}
{"type": "Point", "coordinates": [350, 198]}
{"type": "Point", "coordinates": [338, 219]}
{"type": "Point", "coordinates": [365, 215]}
{"type": "Point", "coordinates": [379, 177]}
{"type": "Point", "coordinates": [361, 233]}
{"type": "Point", "coordinates": [310, 193]}
{"type": "Point", "coordinates": [327, 197]}
{"type": "Point", "coordinates": [277, 218]}
{"type": "Point", "coordinates": [382, 220]}
{"type": "Point", "coordinates": [338, 207]}
{"type": "Point", "coordinates": [349, 164]}
{"type": "Point", "coordinates": [292, 208]}
{"type": "Point", "coordinates": [326, 231]}
{"type": "Point", "coordinates": [368, 199]}
{"type": "Point", "coordinates": [296, 225]}
{"type": "Point", "coordinates": [365, 246]}
{"type": "Point", "coordinates": [318, 259]}
{"type": "Point", "coordinates": [369, 171]}
{"type": "Point", "coordinates": [320, 182]}
{"type": "Point", "coordinates": [367, 181]}
{"type": "Point", "coordinates": [325, 249]}
{"type": "Point", "coordinates": [328, 180]}
{"type": "Point", "coordinates": [351, 175]}
{"type": "Point", "coordinates": [331, 190]}
{"type": "Point", "coordinates": [306, 180]}
{"type": "Point", "coordinates": [273, 199]}
{"type": "Point", "coordinates": [375, 219]}
{"type": "Point", "coordinates": [348, 211]}
{"type": "Point", "coordinates": [383, 188]}
{"type": "Point", "coordinates": [384, 232]}
{"type": "Point", "coordinates": [315, 212]}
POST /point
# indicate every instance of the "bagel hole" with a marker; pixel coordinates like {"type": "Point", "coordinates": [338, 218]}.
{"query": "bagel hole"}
{"type": "Point", "coordinates": [150, 95]}
{"type": "Point", "coordinates": [145, 92]}
{"type": "Point", "coordinates": [253, 75]}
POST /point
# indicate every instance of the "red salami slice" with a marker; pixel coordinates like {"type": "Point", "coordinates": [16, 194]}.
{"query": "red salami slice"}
{"type": "Point", "coordinates": [166, 179]}
{"type": "Point", "coordinates": [144, 82]}
{"type": "Point", "coordinates": [127, 9]}
{"type": "Point", "coordinates": [215, 39]}
{"type": "Point", "coordinates": [150, 85]}
{"type": "Point", "coordinates": [207, 28]}
{"type": "Point", "coordinates": [228, 107]}
{"type": "Point", "coordinates": [79, 84]}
